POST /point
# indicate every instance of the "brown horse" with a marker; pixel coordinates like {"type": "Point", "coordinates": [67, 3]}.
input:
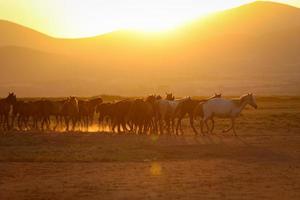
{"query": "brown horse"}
{"type": "Point", "coordinates": [188, 107]}
{"type": "Point", "coordinates": [87, 110]}
{"type": "Point", "coordinates": [120, 111]}
{"type": "Point", "coordinates": [170, 97]}
{"type": "Point", "coordinates": [56, 111]}
{"type": "Point", "coordinates": [5, 108]}
{"type": "Point", "coordinates": [70, 111]}
{"type": "Point", "coordinates": [105, 111]}
{"type": "Point", "coordinates": [22, 113]}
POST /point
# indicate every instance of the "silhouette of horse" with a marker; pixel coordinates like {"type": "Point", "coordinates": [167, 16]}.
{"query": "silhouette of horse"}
{"type": "Point", "coordinates": [22, 113]}
{"type": "Point", "coordinates": [141, 115]}
{"type": "Point", "coordinates": [56, 111]}
{"type": "Point", "coordinates": [188, 107]}
{"type": "Point", "coordinates": [87, 110]}
{"type": "Point", "coordinates": [120, 111]}
{"type": "Point", "coordinates": [70, 111]}
{"type": "Point", "coordinates": [5, 108]}
{"type": "Point", "coordinates": [105, 111]}
{"type": "Point", "coordinates": [224, 108]}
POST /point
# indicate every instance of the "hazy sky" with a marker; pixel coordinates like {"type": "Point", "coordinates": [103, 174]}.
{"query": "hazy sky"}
{"type": "Point", "coordinates": [80, 18]}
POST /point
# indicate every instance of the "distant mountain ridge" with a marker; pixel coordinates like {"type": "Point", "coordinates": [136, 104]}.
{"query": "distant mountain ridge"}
{"type": "Point", "coordinates": [255, 46]}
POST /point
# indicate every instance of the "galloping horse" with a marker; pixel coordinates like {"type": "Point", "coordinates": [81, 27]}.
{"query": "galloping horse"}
{"type": "Point", "coordinates": [5, 107]}
{"type": "Point", "coordinates": [224, 108]}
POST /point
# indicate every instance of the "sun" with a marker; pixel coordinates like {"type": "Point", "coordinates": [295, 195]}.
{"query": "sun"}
{"type": "Point", "coordinates": [75, 18]}
{"type": "Point", "coordinates": [153, 25]}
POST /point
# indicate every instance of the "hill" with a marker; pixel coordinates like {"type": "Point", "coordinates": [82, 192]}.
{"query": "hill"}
{"type": "Point", "coordinates": [252, 47]}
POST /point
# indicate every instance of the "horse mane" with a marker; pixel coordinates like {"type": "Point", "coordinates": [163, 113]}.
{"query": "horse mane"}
{"type": "Point", "coordinates": [240, 100]}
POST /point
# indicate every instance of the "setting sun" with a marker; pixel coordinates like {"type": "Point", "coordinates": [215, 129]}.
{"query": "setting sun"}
{"type": "Point", "coordinates": [149, 99]}
{"type": "Point", "coordinates": [75, 18]}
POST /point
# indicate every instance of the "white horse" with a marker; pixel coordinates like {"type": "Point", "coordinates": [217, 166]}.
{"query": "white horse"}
{"type": "Point", "coordinates": [165, 112]}
{"type": "Point", "coordinates": [224, 108]}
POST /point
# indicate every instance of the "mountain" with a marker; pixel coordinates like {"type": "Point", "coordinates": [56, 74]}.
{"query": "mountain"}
{"type": "Point", "coordinates": [252, 47]}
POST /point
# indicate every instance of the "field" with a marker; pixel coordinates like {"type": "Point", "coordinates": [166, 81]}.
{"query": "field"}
{"type": "Point", "coordinates": [263, 162]}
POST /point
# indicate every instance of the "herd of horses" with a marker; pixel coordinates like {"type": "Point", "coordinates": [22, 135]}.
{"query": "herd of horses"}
{"type": "Point", "coordinates": [149, 115]}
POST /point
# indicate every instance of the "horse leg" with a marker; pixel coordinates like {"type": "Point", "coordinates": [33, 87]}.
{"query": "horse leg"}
{"type": "Point", "coordinates": [74, 121]}
{"type": "Point", "coordinates": [48, 122]}
{"type": "Point", "coordinates": [13, 121]}
{"type": "Point", "coordinates": [86, 123]}
{"type": "Point", "coordinates": [168, 123]}
{"type": "Point", "coordinates": [231, 127]}
{"type": "Point", "coordinates": [123, 125]}
{"type": "Point", "coordinates": [192, 123]}
{"type": "Point", "coordinates": [56, 124]}
{"type": "Point", "coordinates": [67, 122]}
{"type": "Point", "coordinates": [160, 124]}
{"type": "Point", "coordinates": [7, 121]}
{"type": "Point", "coordinates": [177, 125]}
{"type": "Point", "coordinates": [206, 124]}
{"type": "Point", "coordinates": [42, 123]}
{"type": "Point", "coordinates": [18, 122]}
{"type": "Point", "coordinates": [213, 125]}
{"type": "Point", "coordinates": [172, 125]}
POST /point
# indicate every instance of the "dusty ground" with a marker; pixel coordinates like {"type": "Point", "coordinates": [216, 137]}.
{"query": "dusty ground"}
{"type": "Point", "coordinates": [262, 163]}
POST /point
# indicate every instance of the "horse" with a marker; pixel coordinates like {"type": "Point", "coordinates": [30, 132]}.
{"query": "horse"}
{"type": "Point", "coordinates": [56, 111]}
{"type": "Point", "coordinates": [87, 109]}
{"type": "Point", "coordinates": [219, 107]}
{"type": "Point", "coordinates": [120, 111]}
{"type": "Point", "coordinates": [5, 108]}
{"type": "Point", "coordinates": [188, 107]}
{"type": "Point", "coordinates": [70, 111]}
{"type": "Point", "coordinates": [165, 111]}
{"type": "Point", "coordinates": [141, 115]}
{"type": "Point", "coordinates": [22, 112]}
{"type": "Point", "coordinates": [105, 111]}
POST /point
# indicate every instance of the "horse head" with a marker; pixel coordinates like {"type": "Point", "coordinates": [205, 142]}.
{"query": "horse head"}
{"type": "Point", "coordinates": [158, 97]}
{"type": "Point", "coordinates": [169, 96]}
{"type": "Point", "coordinates": [151, 99]}
{"type": "Point", "coordinates": [217, 95]}
{"type": "Point", "coordinates": [11, 98]}
{"type": "Point", "coordinates": [249, 99]}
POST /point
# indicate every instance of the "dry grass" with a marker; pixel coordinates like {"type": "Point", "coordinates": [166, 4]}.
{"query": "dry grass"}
{"type": "Point", "coordinates": [262, 163]}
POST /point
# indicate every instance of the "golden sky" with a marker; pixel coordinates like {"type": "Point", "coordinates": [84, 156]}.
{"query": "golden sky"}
{"type": "Point", "coordinates": [82, 18]}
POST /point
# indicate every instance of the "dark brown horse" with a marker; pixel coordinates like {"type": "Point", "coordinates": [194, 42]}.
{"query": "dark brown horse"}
{"type": "Point", "coordinates": [120, 111]}
{"type": "Point", "coordinates": [87, 110]}
{"type": "Point", "coordinates": [170, 97]}
{"type": "Point", "coordinates": [22, 113]}
{"type": "Point", "coordinates": [56, 112]}
{"type": "Point", "coordinates": [5, 108]}
{"type": "Point", "coordinates": [105, 111]}
{"type": "Point", "coordinates": [141, 115]}
{"type": "Point", "coordinates": [70, 111]}
{"type": "Point", "coordinates": [188, 107]}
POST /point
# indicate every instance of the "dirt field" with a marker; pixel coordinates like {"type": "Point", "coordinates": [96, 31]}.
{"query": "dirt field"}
{"type": "Point", "coordinates": [262, 163]}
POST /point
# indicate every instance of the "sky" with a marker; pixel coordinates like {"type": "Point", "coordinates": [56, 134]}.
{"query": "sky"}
{"type": "Point", "coordinates": [84, 18]}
